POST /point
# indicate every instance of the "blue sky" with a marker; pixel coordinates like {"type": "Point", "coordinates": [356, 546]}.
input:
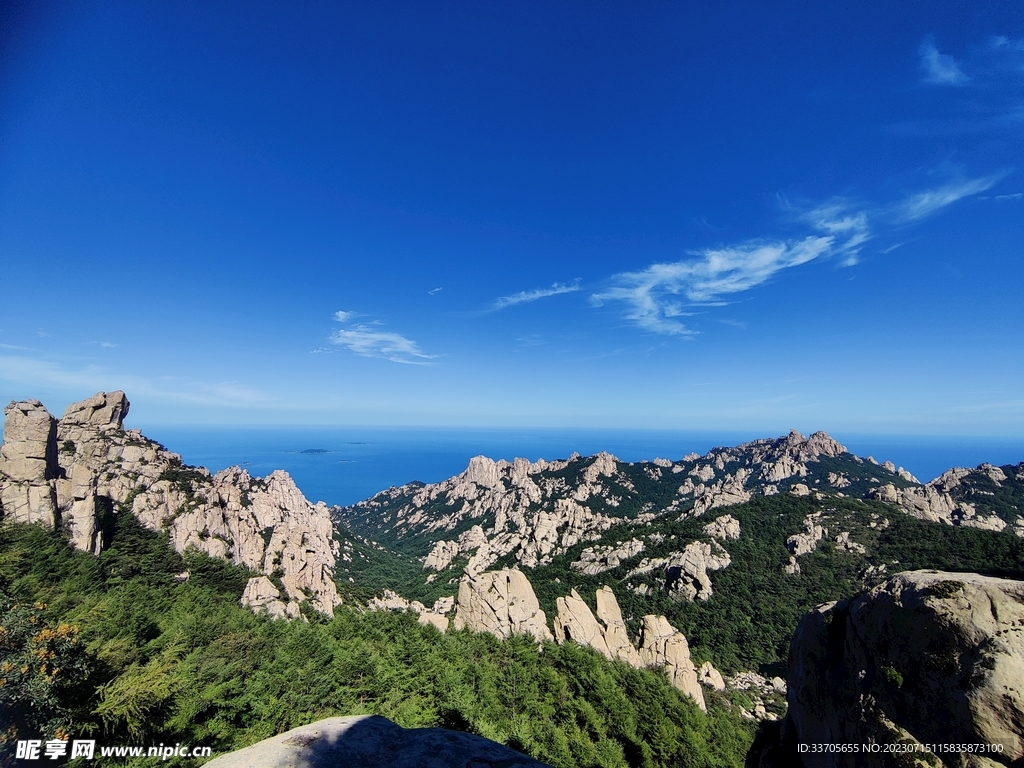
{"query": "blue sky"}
{"type": "Point", "coordinates": [709, 216]}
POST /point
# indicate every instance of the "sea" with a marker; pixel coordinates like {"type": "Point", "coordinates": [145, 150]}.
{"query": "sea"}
{"type": "Point", "coordinates": [343, 465]}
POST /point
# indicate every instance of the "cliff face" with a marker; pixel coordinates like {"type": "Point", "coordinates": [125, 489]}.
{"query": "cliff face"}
{"type": "Point", "coordinates": [79, 471]}
{"type": "Point", "coordinates": [926, 658]}
{"type": "Point", "coordinates": [503, 603]}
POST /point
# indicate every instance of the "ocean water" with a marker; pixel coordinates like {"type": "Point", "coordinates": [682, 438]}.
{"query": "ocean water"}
{"type": "Point", "coordinates": [343, 465]}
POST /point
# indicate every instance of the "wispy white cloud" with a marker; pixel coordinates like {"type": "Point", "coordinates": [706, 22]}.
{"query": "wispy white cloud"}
{"type": "Point", "coordinates": [652, 294]}
{"type": "Point", "coordinates": [371, 342]}
{"type": "Point", "coordinates": [524, 297]}
{"type": "Point", "coordinates": [1014, 196]}
{"type": "Point", "coordinates": [435, 290]}
{"type": "Point", "coordinates": [939, 68]}
{"type": "Point", "coordinates": [660, 294]}
{"type": "Point", "coordinates": [368, 342]}
{"type": "Point", "coordinates": [923, 204]}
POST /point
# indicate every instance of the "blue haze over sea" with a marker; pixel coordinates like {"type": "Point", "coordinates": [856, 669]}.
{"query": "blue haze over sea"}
{"type": "Point", "coordinates": [357, 462]}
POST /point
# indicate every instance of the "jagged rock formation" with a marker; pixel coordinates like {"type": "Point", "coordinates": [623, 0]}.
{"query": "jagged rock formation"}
{"type": "Point", "coordinates": [806, 542]}
{"type": "Point", "coordinates": [574, 621]}
{"type": "Point", "coordinates": [595, 560]}
{"type": "Point", "coordinates": [81, 470]}
{"type": "Point", "coordinates": [535, 511]}
{"type": "Point", "coordinates": [503, 603]}
{"type": "Point", "coordinates": [662, 645]}
{"type": "Point", "coordinates": [263, 597]}
{"type": "Point", "coordinates": [371, 741]}
{"type": "Point", "coordinates": [686, 572]}
{"type": "Point", "coordinates": [925, 658]}
{"type": "Point", "coordinates": [606, 634]}
{"type": "Point", "coordinates": [615, 635]}
{"type": "Point", "coordinates": [956, 495]}
{"type": "Point", "coordinates": [500, 602]}
{"type": "Point", "coordinates": [711, 677]}
{"type": "Point", "coordinates": [723, 527]}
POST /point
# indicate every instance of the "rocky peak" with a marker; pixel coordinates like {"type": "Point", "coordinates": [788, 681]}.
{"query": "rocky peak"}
{"type": "Point", "coordinates": [82, 469]}
{"type": "Point", "coordinates": [482, 471]}
{"type": "Point", "coordinates": [663, 645]}
{"type": "Point", "coordinates": [500, 602]}
{"type": "Point", "coordinates": [105, 410]}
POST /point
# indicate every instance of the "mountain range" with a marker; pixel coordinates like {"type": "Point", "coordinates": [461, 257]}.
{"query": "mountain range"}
{"type": "Point", "coordinates": [703, 565]}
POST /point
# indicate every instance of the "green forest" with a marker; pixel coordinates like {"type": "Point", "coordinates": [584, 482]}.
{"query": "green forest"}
{"type": "Point", "coordinates": [123, 649]}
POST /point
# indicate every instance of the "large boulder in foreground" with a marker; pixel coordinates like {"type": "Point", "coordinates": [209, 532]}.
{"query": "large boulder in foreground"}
{"type": "Point", "coordinates": [925, 658]}
{"type": "Point", "coordinates": [369, 741]}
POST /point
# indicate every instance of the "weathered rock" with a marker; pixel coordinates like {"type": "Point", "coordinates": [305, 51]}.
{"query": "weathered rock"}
{"type": "Point", "coordinates": [806, 542]}
{"type": "Point", "coordinates": [686, 572]}
{"type": "Point", "coordinates": [443, 605]}
{"type": "Point", "coordinates": [535, 518]}
{"type": "Point", "coordinates": [723, 527]}
{"type": "Point", "coordinates": [615, 635]}
{"type": "Point", "coordinates": [389, 600]}
{"type": "Point", "coordinates": [28, 464]}
{"type": "Point", "coordinates": [435, 620]}
{"type": "Point", "coordinates": [574, 621]}
{"type": "Point", "coordinates": [104, 410]}
{"type": "Point", "coordinates": [441, 556]}
{"type": "Point", "coordinates": [711, 677]}
{"type": "Point", "coordinates": [86, 468]}
{"type": "Point", "coordinates": [927, 658]}
{"type": "Point", "coordinates": [502, 603]}
{"type": "Point", "coordinates": [845, 544]}
{"type": "Point", "coordinates": [371, 741]}
{"type": "Point", "coordinates": [595, 560]}
{"type": "Point", "coordinates": [662, 645]}
{"type": "Point", "coordinates": [263, 597]}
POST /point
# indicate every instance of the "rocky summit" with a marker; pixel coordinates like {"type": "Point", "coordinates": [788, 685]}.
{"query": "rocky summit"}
{"type": "Point", "coordinates": [78, 471]}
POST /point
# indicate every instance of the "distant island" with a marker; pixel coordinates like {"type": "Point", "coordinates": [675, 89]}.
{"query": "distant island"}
{"type": "Point", "coordinates": [316, 450]}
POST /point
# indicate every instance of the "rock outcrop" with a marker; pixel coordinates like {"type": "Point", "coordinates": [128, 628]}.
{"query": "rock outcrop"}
{"type": "Point", "coordinates": [615, 635]}
{"type": "Point", "coordinates": [262, 596]}
{"type": "Point", "coordinates": [28, 464]}
{"type": "Point", "coordinates": [595, 560]}
{"type": "Point", "coordinates": [371, 741]}
{"type": "Point", "coordinates": [686, 572]}
{"type": "Point", "coordinates": [574, 621]}
{"type": "Point", "coordinates": [723, 527]}
{"type": "Point", "coordinates": [945, 498]}
{"type": "Point", "coordinates": [804, 543]}
{"type": "Point", "coordinates": [500, 602]}
{"type": "Point", "coordinates": [81, 471]}
{"type": "Point", "coordinates": [662, 645]}
{"type": "Point", "coordinates": [925, 658]}
{"type": "Point", "coordinates": [711, 677]}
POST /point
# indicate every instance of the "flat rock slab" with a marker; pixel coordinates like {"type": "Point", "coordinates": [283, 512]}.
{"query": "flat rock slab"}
{"type": "Point", "coordinates": [370, 741]}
